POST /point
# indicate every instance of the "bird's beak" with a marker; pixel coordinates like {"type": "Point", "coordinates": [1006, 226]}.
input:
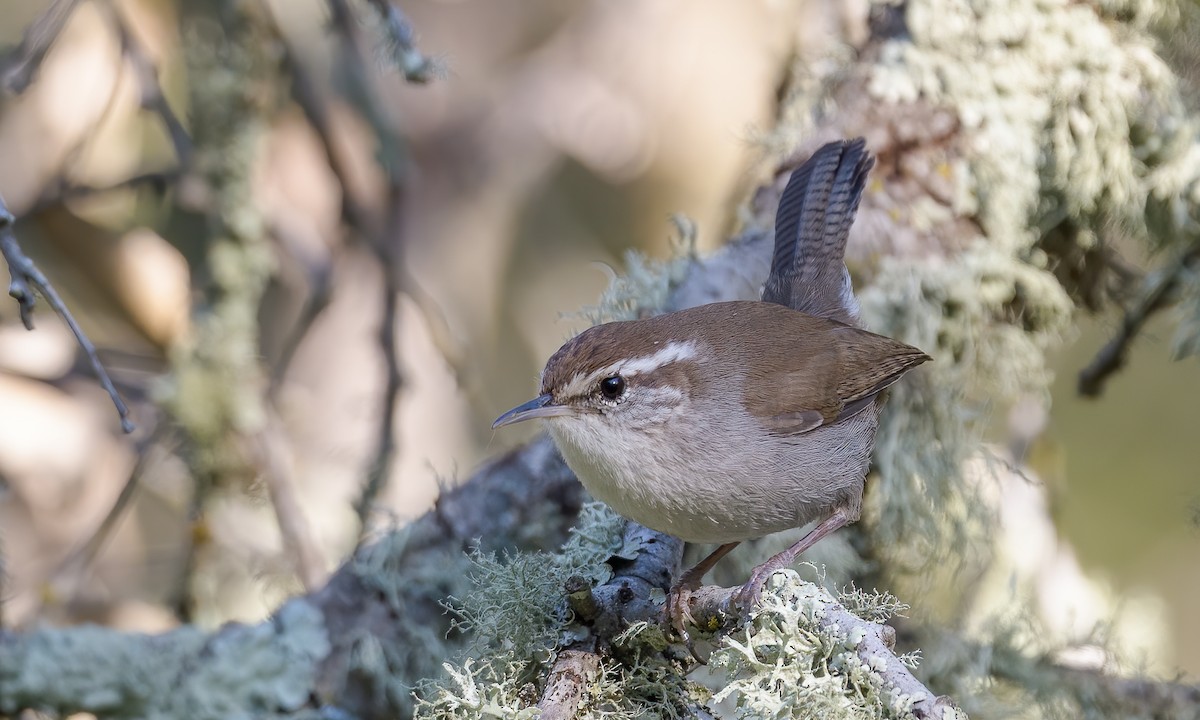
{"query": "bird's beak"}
{"type": "Point", "coordinates": [540, 407]}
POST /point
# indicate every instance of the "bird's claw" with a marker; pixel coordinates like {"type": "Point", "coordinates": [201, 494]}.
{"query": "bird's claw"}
{"type": "Point", "coordinates": [679, 615]}
{"type": "Point", "coordinates": [747, 596]}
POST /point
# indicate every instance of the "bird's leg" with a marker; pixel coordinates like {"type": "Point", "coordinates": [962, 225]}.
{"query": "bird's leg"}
{"type": "Point", "coordinates": [747, 595]}
{"type": "Point", "coordinates": [677, 601]}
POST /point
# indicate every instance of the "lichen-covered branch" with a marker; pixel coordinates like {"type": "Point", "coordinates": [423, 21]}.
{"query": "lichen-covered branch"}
{"type": "Point", "coordinates": [794, 606]}
{"type": "Point", "coordinates": [358, 643]}
{"type": "Point", "coordinates": [216, 390]}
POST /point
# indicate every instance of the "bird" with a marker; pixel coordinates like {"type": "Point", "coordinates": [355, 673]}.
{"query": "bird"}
{"type": "Point", "coordinates": [734, 420]}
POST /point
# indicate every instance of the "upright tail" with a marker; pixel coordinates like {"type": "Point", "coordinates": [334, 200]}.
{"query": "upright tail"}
{"type": "Point", "coordinates": [808, 272]}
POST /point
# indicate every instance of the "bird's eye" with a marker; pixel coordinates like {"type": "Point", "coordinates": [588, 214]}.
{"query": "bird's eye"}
{"type": "Point", "coordinates": [612, 387]}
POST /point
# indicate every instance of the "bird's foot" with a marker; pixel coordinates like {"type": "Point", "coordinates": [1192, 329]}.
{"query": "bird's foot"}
{"type": "Point", "coordinates": [747, 596]}
{"type": "Point", "coordinates": [678, 613]}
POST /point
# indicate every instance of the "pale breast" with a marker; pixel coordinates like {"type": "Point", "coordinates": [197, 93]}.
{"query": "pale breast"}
{"type": "Point", "coordinates": [702, 487]}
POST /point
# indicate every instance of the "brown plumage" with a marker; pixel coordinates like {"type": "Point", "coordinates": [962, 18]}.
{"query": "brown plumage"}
{"type": "Point", "coordinates": [801, 371]}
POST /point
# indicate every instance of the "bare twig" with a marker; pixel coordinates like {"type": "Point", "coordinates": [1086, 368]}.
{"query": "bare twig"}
{"type": "Point", "coordinates": [384, 239]}
{"type": "Point", "coordinates": [358, 216]}
{"type": "Point", "coordinates": [402, 46]}
{"type": "Point", "coordinates": [62, 189]}
{"type": "Point", "coordinates": [1157, 292]}
{"type": "Point", "coordinates": [27, 278]}
{"type": "Point", "coordinates": [319, 273]}
{"type": "Point", "coordinates": [1134, 696]}
{"type": "Point", "coordinates": [385, 441]}
{"type": "Point", "coordinates": [152, 98]}
{"type": "Point", "coordinates": [22, 66]}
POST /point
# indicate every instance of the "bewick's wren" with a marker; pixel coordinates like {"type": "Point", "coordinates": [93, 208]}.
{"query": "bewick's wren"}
{"type": "Point", "coordinates": [730, 421]}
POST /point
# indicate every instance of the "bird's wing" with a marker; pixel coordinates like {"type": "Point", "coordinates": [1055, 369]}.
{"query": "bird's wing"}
{"type": "Point", "coordinates": [828, 378]}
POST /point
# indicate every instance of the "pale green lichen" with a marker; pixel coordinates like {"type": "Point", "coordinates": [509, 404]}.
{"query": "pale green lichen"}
{"type": "Point", "coordinates": [514, 616]}
{"type": "Point", "coordinates": [785, 655]}
{"type": "Point", "coordinates": [215, 389]}
{"type": "Point", "coordinates": [516, 603]}
{"type": "Point", "coordinates": [1063, 113]}
{"type": "Point", "coordinates": [517, 620]}
{"type": "Point", "coordinates": [265, 670]}
{"type": "Point", "coordinates": [875, 605]}
{"type": "Point", "coordinates": [1066, 119]}
{"type": "Point", "coordinates": [488, 689]}
{"type": "Point", "coordinates": [410, 584]}
{"type": "Point", "coordinates": [987, 319]}
{"type": "Point", "coordinates": [785, 662]}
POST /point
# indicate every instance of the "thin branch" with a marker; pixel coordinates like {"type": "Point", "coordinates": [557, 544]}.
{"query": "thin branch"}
{"type": "Point", "coordinates": [1157, 293]}
{"type": "Point", "coordinates": [627, 598]}
{"type": "Point", "coordinates": [385, 240]}
{"type": "Point", "coordinates": [63, 189]}
{"type": "Point", "coordinates": [26, 279]}
{"type": "Point", "coordinates": [1135, 696]}
{"type": "Point", "coordinates": [358, 216]}
{"type": "Point", "coordinates": [402, 46]}
{"type": "Point", "coordinates": [152, 97]}
{"type": "Point", "coordinates": [319, 273]}
{"type": "Point", "coordinates": [22, 66]}
{"type": "Point", "coordinates": [385, 441]}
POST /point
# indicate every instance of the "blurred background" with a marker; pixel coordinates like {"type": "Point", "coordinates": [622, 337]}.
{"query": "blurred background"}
{"type": "Point", "coordinates": [550, 137]}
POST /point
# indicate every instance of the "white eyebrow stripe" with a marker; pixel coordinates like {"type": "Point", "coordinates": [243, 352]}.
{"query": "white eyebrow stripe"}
{"type": "Point", "coordinates": [674, 351]}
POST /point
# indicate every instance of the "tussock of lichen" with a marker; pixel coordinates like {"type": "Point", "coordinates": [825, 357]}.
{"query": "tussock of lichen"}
{"type": "Point", "coordinates": [1067, 115]}
{"type": "Point", "coordinates": [485, 688]}
{"type": "Point", "coordinates": [408, 581]}
{"type": "Point", "coordinates": [987, 319]}
{"type": "Point", "coordinates": [875, 605]}
{"type": "Point", "coordinates": [785, 663]}
{"type": "Point", "coordinates": [514, 615]}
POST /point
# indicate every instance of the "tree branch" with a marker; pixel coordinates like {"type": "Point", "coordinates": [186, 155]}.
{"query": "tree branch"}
{"type": "Point", "coordinates": [1156, 294]}
{"type": "Point", "coordinates": [152, 97]}
{"type": "Point", "coordinates": [713, 607]}
{"type": "Point", "coordinates": [402, 46]}
{"type": "Point", "coordinates": [23, 64]}
{"type": "Point", "coordinates": [26, 279]}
